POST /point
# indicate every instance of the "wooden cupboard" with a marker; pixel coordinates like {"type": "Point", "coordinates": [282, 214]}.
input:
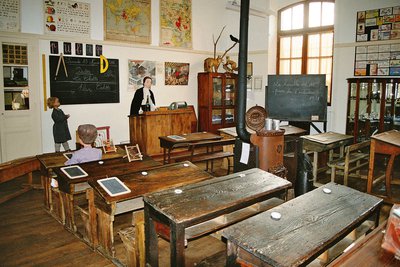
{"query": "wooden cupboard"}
{"type": "Point", "coordinates": [373, 106]}
{"type": "Point", "coordinates": [216, 100]}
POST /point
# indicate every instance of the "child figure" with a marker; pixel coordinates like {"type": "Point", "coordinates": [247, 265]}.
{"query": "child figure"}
{"type": "Point", "coordinates": [87, 135]}
{"type": "Point", "coordinates": [60, 128]}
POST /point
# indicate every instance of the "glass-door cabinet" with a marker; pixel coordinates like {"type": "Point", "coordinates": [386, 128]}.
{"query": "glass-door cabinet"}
{"type": "Point", "coordinates": [216, 100]}
{"type": "Point", "coordinates": [373, 106]}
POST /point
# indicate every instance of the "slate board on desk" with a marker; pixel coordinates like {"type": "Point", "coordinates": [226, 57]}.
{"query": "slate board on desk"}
{"type": "Point", "coordinates": [296, 97]}
{"type": "Point", "coordinates": [84, 84]}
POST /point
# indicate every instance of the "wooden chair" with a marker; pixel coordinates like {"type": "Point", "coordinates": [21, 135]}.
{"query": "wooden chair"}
{"type": "Point", "coordinates": [356, 153]}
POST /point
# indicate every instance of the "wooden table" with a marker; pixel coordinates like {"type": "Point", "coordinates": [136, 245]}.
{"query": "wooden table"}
{"type": "Point", "coordinates": [310, 224]}
{"type": "Point", "coordinates": [70, 187]}
{"type": "Point", "coordinates": [387, 143]}
{"type": "Point", "coordinates": [367, 252]}
{"type": "Point", "coordinates": [159, 178]}
{"type": "Point", "coordinates": [202, 202]}
{"type": "Point", "coordinates": [317, 143]}
{"type": "Point", "coordinates": [168, 143]}
{"type": "Point", "coordinates": [289, 130]}
{"type": "Point", "coordinates": [49, 161]}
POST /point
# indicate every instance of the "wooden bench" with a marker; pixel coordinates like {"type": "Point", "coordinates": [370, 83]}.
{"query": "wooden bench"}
{"type": "Point", "coordinates": [353, 154]}
{"type": "Point", "coordinates": [16, 168]}
{"type": "Point", "coordinates": [210, 154]}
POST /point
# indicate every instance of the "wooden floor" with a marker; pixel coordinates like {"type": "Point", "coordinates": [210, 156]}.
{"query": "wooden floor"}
{"type": "Point", "coordinates": [32, 237]}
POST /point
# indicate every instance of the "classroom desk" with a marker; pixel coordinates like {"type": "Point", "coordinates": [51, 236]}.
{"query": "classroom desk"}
{"type": "Point", "coordinates": [309, 225]}
{"type": "Point", "coordinates": [110, 167]}
{"type": "Point", "coordinates": [49, 161]}
{"type": "Point", "coordinates": [290, 130]}
{"type": "Point", "coordinates": [317, 143]}
{"type": "Point", "coordinates": [367, 252]}
{"type": "Point", "coordinates": [168, 143]}
{"type": "Point", "coordinates": [387, 143]}
{"type": "Point", "coordinates": [202, 202]}
{"type": "Point", "coordinates": [159, 178]}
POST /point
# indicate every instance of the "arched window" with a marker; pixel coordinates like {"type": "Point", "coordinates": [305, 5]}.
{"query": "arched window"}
{"type": "Point", "coordinates": [305, 39]}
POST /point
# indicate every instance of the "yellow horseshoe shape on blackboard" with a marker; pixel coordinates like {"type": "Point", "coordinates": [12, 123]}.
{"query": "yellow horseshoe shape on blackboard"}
{"type": "Point", "coordinates": [103, 64]}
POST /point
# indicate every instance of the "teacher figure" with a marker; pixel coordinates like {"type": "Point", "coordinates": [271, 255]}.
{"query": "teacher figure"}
{"type": "Point", "coordinates": [143, 98]}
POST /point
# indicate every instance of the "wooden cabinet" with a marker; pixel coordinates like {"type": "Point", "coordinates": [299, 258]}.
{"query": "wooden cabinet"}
{"type": "Point", "coordinates": [216, 100]}
{"type": "Point", "coordinates": [373, 106]}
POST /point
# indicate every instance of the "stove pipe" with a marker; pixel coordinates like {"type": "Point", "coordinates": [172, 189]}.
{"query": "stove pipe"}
{"type": "Point", "coordinates": [243, 134]}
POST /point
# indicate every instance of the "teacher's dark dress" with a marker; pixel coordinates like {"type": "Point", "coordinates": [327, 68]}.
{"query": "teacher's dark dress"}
{"type": "Point", "coordinates": [137, 101]}
{"type": "Point", "coordinates": [60, 128]}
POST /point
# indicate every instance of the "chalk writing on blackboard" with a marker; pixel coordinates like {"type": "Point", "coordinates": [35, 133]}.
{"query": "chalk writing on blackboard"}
{"type": "Point", "coordinates": [84, 84]}
{"type": "Point", "coordinates": [296, 97]}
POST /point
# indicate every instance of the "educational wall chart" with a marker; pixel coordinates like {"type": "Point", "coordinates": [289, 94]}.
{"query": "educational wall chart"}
{"type": "Point", "coordinates": [176, 23]}
{"type": "Point", "coordinates": [126, 20]}
{"type": "Point", "coordinates": [9, 15]}
{"type": "Point", "coordinates": [67, 17]}
{"type": "Point", "coordinates": [377, 60]}
{"type": "Point", "coordinates": [138, 69]}
{"type": "Point", "coordinates": [378, 24]}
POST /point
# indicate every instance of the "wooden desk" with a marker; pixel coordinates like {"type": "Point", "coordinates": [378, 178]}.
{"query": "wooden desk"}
{"type": "Point", "coordinates": [310, 224]}
{"type": "Point", "coordinates": [367, 252]}
{"type": "Point", "coordinates": [317, 143]}
{"type": "Point", "coordinates": [157, 179]}
{"type": "Point", "coordinates": [70, 187]}
{"type": "Point", "coordinates": [384, 143]}
{"type": "Point", "coordinates": [49, 161]}
{"type": "Point", "coordinates": [167, 143]}
{"type": "Point", "coordinates": [145, 129]}
{"type": "Point", "coordinates": [289, 130]}
{"type": "Point", "coordinates": [202, 202]}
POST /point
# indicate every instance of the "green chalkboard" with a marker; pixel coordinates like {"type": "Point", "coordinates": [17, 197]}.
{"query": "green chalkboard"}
{"type": "Point", "coordinates": [84, 84]}
{"type": "Point", "coordinates": [296, 97]}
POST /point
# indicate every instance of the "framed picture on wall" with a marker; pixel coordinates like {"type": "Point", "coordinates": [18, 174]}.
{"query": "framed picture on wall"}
{"type": "Point", "coordinates": [67, 48]}
{"type": "Point", "coordinates": [53, 47]}
{"type": "Point", "coordinates": [257, 83]}
{"type": "Point", "coordinates": [78, 49]}
{"type": "Point", "coordinates": [89, 50]}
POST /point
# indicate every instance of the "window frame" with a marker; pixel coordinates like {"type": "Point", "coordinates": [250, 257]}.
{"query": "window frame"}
{"type": "Point", "coordinates": [305, 32]}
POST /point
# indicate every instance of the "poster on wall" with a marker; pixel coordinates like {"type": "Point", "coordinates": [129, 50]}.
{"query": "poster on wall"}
{"type": "Point", "coordinates": [67, 17]}
{"type": "Point", "coordinates": [9, 15]}
{"type": "Point", "coordinates": [176, 23]}
{"type": "Point", "coordinates": [126, 20]}
{"type": "Point", "coordinates": [138, 69]}
{"type": "Point", "coordinates": [378, 24]}
{"type": "Point", "coordinates": [377, 60]}
{"type": "Point", "coordinates": [176, 73]}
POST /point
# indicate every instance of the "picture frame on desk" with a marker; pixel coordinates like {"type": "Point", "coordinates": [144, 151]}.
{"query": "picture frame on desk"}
{"type": "Point", "coordinates": [108, 146]}
{"type": "Point", "coordinates": [133, 153]}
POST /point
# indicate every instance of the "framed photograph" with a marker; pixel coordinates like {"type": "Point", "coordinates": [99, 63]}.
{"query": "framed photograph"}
{"type": "Point", "coordinates": [361, 16]}
{"type": "Point", "coordinates": [89, 50]}
{"type": "Point", "coordinates": [257, 83]}
{"type": "Point", "coordinates": [67, 48]}
{"type": "Point", "coordinates": [99, 50]}
{"type": "Point", "coordinates": [53, 47]}
{"type": "Point", "coordinates": [361, 28]}
{"type": "Point", "coordinates": [374, 35]}
{"type": "Point", "coordinates": [103, 134]}
{"type": "Point", "coordinates": [108, 146]}
{"type": "Point", "coordinates": [249, 84]}
{"type": "Point", "coordinates": [133, 153]}
{"type": "Point", "coordinates": [78, 49]}
{"type": "Point", "coordinates": [249, 69]}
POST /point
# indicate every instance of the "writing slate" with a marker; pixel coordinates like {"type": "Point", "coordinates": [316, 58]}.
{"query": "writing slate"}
{"type": "Point", "coordinates": [74, 172]}
{"type": "Point", "coordinates": [296, 97]}
{"type": "Point", "coordinates": [113, 186]}
{"type": "Point", "coordinates": [84, 84]}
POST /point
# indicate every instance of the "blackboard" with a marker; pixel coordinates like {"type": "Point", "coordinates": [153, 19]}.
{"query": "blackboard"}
{"type": "Point", "coordinates": [296, 97]}
{"type": "Point", "coordinates": [84, 84]}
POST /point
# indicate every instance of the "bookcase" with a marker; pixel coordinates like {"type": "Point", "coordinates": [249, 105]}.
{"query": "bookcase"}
{"type": "Point", "coordinates": [373, 106]}
{"type": "Point", "coordinates": [216, 100]}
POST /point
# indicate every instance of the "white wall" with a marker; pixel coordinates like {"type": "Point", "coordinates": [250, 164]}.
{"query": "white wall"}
{"type": "Point", "coordinates": [208, 18]}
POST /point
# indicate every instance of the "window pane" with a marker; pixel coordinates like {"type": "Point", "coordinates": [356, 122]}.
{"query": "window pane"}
{"type": "Point", "coordinates": [297, 17]}
{"type": "Point", "coordinates": [313, 66]}
{"type": "Point", "coordinates": [326, 65]}
{"type": "Point", "coordinates": [286, 20]}
{"type": "Point", "coordinates": [326, 44]}
{"type": "Point", "coordinates": [284, 67]}
{"type": "Point", "coordinates": [313, 45]}
{"type": "Point", "coordinates": [328, 12]}
{"type": "Point", "coordinates": [285, 47]}
{"type": "Point", "coordinates": [314, 17]}
{"type": "Point", "coordinates": [297, 46]}
{"type": "Point", "coordinates": [296, 66]}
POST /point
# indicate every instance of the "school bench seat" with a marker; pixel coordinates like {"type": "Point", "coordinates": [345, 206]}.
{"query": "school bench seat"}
{"type": "Point", "coordinates": [357, 154]}
{"type": "Point", "coordinates": [15, 168]}
{"type": "Point", "coordinates": [210, 154]}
